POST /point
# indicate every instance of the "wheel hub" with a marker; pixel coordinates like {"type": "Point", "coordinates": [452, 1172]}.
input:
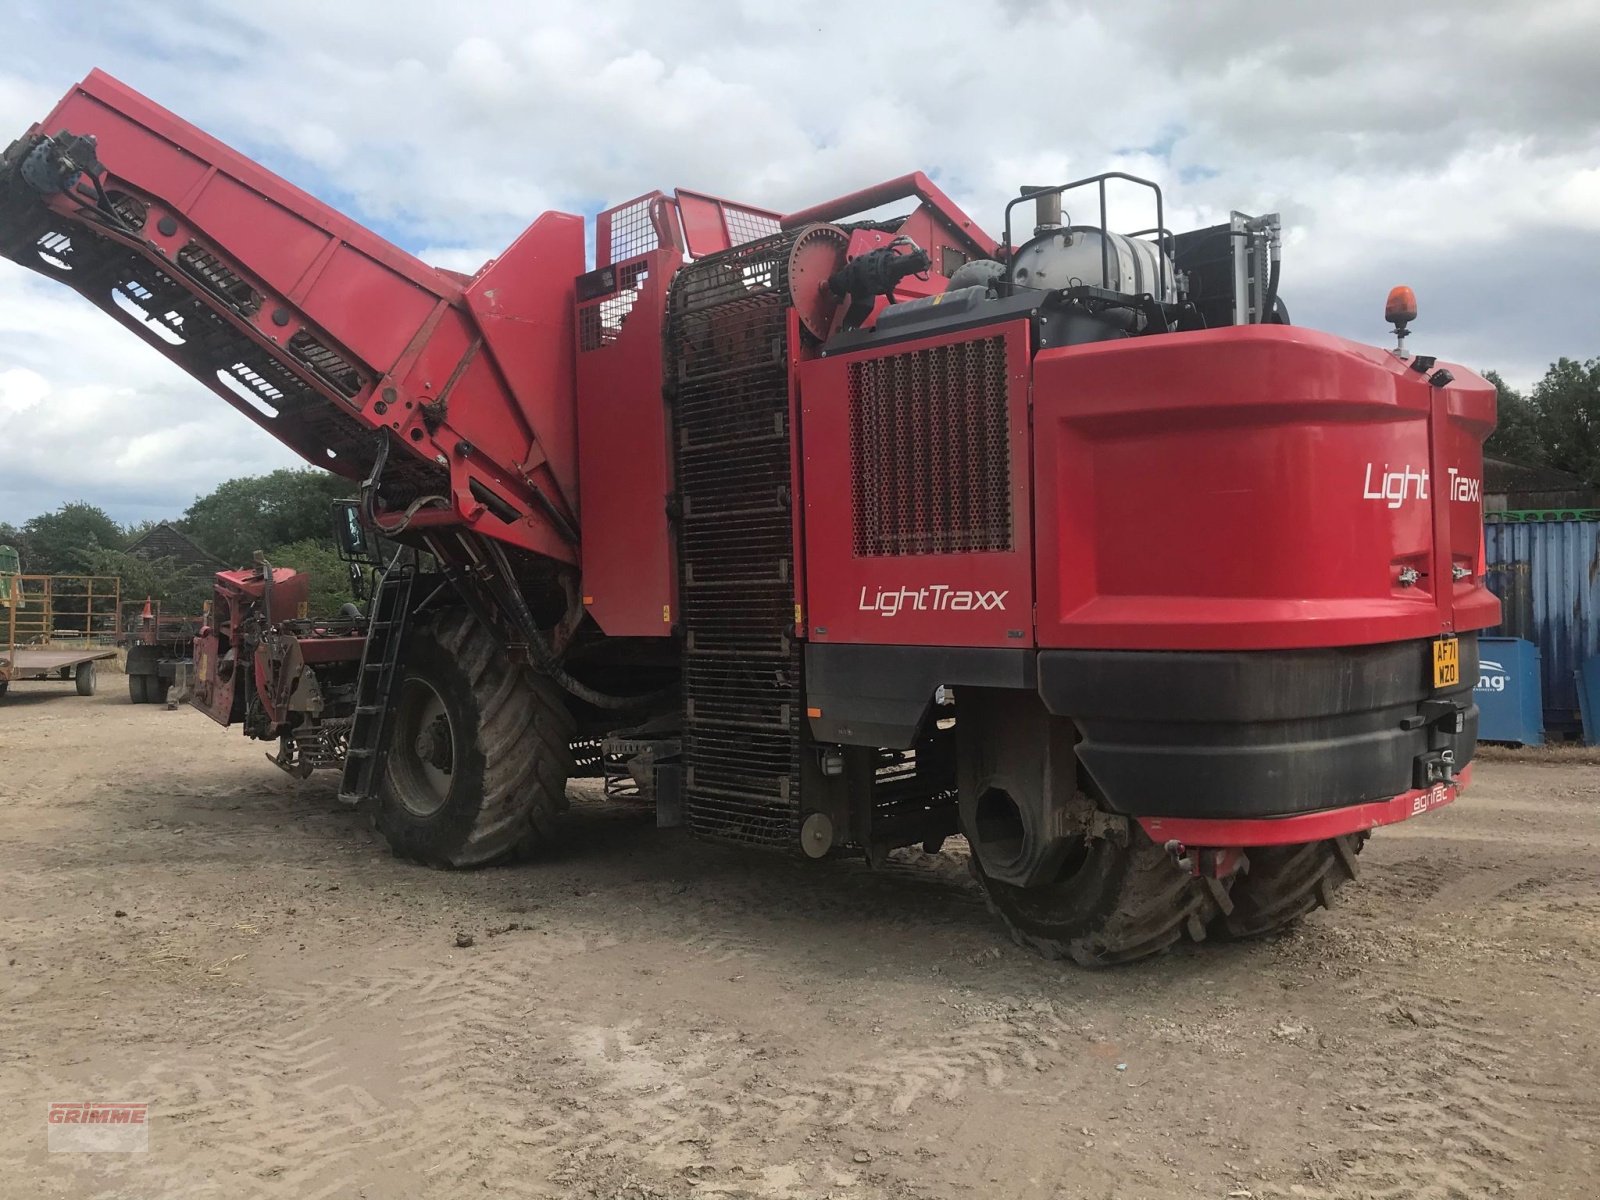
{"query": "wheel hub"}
{"type": "Point", "coordinates": [433, 743]}
{"type": "Point", "coordinates": [423, 751]}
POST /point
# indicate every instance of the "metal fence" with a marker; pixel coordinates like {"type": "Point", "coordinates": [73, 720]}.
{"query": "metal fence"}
{"type": "Point", "coordinates": [57, 610]}
{"type": "Point", "coordinates": [1547, 575]}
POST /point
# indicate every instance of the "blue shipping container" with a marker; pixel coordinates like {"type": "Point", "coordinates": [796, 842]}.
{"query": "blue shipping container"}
{"type": "Point", "coordinates": [1547, 575]}
{"type": "Point", "coordinates": [1510, 706]}
{"type": "Point", "coordinates": [1589, 694]}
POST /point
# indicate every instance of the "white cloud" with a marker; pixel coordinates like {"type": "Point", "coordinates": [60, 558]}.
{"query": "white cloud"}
{"type": "Point", "coordinates": [1446, 145]}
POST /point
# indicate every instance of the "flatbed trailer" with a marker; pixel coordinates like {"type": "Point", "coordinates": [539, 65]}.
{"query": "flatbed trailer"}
{"type": "Point", "coordinates": [20, 663]}
{"type": "Point", "coordinates": [57, 627]}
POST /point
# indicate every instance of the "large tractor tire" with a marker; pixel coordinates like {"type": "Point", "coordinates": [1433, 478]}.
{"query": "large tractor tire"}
{"type": "Point", "coordinates": [85, 677]}
{"type": "Point", "coordinates": [1110, 903]}
{"type": "Point", "coordinates": [478, 760]}
{"type": "Point", "coordinates": [1284, 883]}
{"type": "Point", "coordinates": [137, 692]}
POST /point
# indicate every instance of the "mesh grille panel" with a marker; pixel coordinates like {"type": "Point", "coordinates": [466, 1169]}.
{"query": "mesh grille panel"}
{"type": "Point", "coordinates": [728, 340]}
{"type": "Point", "coordinates": [633, 231]}
{"type": "Point", "coordinates": [600, 321]}
{"type": "Point", "coordinates": [930, 451]}
{"type": "Point", "coordinates": [746, 225]}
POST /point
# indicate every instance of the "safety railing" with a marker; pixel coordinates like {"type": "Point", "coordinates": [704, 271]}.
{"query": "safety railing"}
{"type": "Point", "coordinates": [57, 610]}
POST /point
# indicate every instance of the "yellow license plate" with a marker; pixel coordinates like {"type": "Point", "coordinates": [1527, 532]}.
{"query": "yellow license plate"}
{"type": "Point", "coordinates": [1446, 662]}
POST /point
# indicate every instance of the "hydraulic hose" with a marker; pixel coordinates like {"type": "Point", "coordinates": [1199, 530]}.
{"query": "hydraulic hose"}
{"type": "Point", "coordinates": [1269, 303]}
{"type": "Point", "coordinates": [547, 661]}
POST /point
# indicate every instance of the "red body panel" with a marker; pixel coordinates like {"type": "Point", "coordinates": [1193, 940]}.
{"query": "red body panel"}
{"type": "Point", "coordinates": [1256, 487]}
{"type": "Point", "coordinates": [629, 572]}
{"type": "Point", "coordinates": [522, 303]}
{"type": "Point", "coordinates": [953, 599]}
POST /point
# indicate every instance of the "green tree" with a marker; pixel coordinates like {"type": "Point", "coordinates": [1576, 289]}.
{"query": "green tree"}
{"type": "Point", "coordinates": [63, 542]}
{"type": "Point", "coordinates": [1518, 434]}
{"type": "Point", "coordinates": [330, 578]}
{"type": "Point", "coordinates": [260, 511]}
{"type": "Point", "coordinates": [1568, 402]}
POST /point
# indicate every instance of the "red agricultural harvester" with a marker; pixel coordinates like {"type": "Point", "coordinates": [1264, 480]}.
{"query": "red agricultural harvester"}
{"type": "Point", "coordinates": [840, 533]}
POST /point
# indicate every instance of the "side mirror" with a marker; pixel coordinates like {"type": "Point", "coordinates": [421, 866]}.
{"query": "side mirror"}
{"type": "Point", "coordinates": [350, 534]}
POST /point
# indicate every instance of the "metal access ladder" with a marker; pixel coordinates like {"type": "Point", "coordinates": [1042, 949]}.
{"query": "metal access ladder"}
{"type": "Point", "coordinates": [380, 673]}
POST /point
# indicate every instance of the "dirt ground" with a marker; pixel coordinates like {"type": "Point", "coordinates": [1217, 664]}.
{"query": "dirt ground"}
{"type": "Point", "coordinates": [641, 1016]}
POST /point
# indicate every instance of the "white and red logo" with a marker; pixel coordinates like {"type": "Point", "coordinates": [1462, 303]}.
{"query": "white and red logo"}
{"type": "Point", "coordinates": [97, 1126]}
{"type": "Point", "coordinates": [936, 597]}
{"type": "Point", "coordinates": [1394, 486]}
{"type": "Point", "coordinates": [1429, 799]}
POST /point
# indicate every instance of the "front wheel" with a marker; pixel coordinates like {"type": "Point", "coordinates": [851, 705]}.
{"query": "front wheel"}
{"type": "Point", "coordinates": [478, 761]}
{"type": "Point", "coordinates": [1111, 902]}
{"type": "Point", "coordinates": [1281, 884]}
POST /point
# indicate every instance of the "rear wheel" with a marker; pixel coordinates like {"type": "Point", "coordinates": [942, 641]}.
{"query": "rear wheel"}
{"type": "Point", "coordinates": [478, 760]}
{"type": "Point", "coordinates": [1109, 903]}
{"type": "Point", "coordinates": [1284, 883]}
{"type": "Point", "coordinates": [137, 692]}
{"type": "Point", "coordinates": [85, 676]}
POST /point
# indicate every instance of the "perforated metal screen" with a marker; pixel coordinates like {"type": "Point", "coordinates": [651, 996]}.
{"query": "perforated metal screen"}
{"type": "Point", "coordinates": [930, 451]}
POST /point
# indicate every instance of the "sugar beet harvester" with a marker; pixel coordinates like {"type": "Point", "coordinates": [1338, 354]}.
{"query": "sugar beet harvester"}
{"type": "Point", "coordinates": [844, 534]}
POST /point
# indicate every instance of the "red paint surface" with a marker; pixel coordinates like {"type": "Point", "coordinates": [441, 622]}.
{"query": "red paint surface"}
{"type": "Point", "coordinates": [841, 587]}
{"type": "Point", "coordinates": [1205, 491]}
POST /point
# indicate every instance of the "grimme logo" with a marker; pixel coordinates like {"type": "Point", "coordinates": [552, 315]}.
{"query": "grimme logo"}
{"type": "Point", "coordinates": [90, 1126]}
{"type": "Point", "coordinates": [935, 597]}
{"type": "Point", "coordinates": [1491, 676]}
{"type": "Point", "coordinates": [1396, 487]}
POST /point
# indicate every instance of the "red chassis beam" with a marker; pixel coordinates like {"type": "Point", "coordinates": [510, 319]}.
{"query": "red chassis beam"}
{"type": "Point", "coordinates": [1306, 827]}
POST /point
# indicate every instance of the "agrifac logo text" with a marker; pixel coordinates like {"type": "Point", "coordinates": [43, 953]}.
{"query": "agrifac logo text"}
{"type": "Point", "coordinates": [935, 597]}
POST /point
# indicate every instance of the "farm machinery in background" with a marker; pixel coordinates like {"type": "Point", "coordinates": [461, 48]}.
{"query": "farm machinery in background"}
{"type": "Point", "coordinates": [844, 532]}
{"type": "Point", "coordinates": [56, 627]}
{"type": "Point", "coordinates": [160, 645]}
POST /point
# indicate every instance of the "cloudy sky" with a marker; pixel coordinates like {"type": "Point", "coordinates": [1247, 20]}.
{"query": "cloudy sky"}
{"type": "Point", "coordinates": [1451, 145]}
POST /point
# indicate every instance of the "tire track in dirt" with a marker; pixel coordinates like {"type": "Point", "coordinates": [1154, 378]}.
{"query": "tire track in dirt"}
{"type": "Point", "coordinates": [1438, 1111]}
{"type": "Point", "coordinates": [312, 1091]}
